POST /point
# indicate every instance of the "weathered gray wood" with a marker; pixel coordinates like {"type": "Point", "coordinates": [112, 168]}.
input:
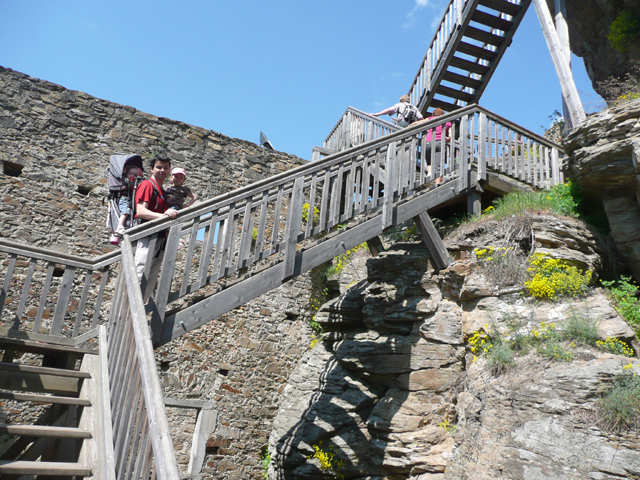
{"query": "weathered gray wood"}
{"type": "Point", "coordinates": [158, 303]}
{"type": "Point", "coordinates": [164, 456]}
{"type": "Point", "coordinates": [563, 69]}
{"type": "Point", "coordinates": [193, 403]}
{"type": "Point", "coordinates": [205, 424]}
{"type": "Point", "coordinates": [25, 293]}
{"type": "Point", "coordinates": [474, 205]}
{"type": "Point", "coordinates": [336, 196]}
{"type": "Point", "coordinates": [104, 437]}
{"type": "Point", "coordinates": [555, 166]}
{"type": "Point", "coordinates": [246, 237]}
{"type": "Point", "coordinates": [311, 206]}
{"type": "Point", "coordinates": [375, 191]}
{"type": "Point", "coordinates": [39, 382]}
{"type": "Point", "coordinates": [19, 467]}
{"type": "Point", "coordinates": [324, 201]}
{"type": "Point", "coordinates": [82, 304]}
{"type": "Point", "coordinates": [375, 246]}
{"type": "Point", "coordinates": [44, 399]}
{"type": "Point", "coordinates": [293, 227]}
{"type": "Point", "coordinates": [58, 372]}
{"type": "Point", "coordinates": [207, 246]}
{"type": "Point", "coordinates": [482, 146]}
{"type": "Point", "coordinates": [7, 280]}
{"type": "Point", "coordinates": [259, 245]}
{"type": "Point", "coordinates": [432, 240]}
{"type": "Point", "coordinates": [227, 246]}
{"type": "Point", "coordinates": [389, 187]}
{"type": "Point", "coordinates": [462, 161]}
{"type": "Point", "coordinates": [63, 300]}
{"type": "Point", "coordinates": [43, 431]}
{"type": "Point", "coordinates": [40, 344]}
{"type": "Point", "coordinates": [100, 297]}
{"type": "Point", "coordinates": [186, 279]}
{"type": "Point", "coordinates": [276, 221]}
{"type": "Point", "coordinates": [347, 198]}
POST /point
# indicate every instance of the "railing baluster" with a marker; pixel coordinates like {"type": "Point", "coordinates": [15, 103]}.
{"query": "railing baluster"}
{"type": "Point", "coordinates": [482, 146]}
{"type": "Point", "coordinates": [324, 202]}
{"type": "Point", "coordinates": [276, 222]}
{"type": "Point", "coordinates": [207, 245]}
{"type": "Point", "coordinates": [258, 251]}
{"type": "Point", "coordinates": [83, 303]}
{"type": "Point", "coordinates": [7, 280]}
{"type": "Point", "coordinates": [24, 295]}
{"type": "Point", "coordinates": [43, 298]}
{"type": "Point", "coordinates": [100, 297]}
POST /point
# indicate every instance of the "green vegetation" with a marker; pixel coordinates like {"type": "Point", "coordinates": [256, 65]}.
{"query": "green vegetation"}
{"type": "Point", "coordinates": [619, 409]}
{"type": "Point", "coordinates": [553, 278]}
{"type": "Point", "coordinates": [624, 30]}
{"type": "Point", "coordinates": [447, 426]}
{"type": "Point", "coordinates": [548, 341]}
{"type": "Point", "coordinates": [625, 298]}
{"type": "Point", "coordinates": [339, 262]}
{"type": "Point", "coordinates": [265, 460]}
{"type": "Point", "coordinates": [559, 200]}
{"type": "Point", "coordinates": [305, 213]}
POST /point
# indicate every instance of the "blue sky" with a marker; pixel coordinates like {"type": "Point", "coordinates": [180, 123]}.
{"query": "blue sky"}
{"type": "Point", "coordinates": [287, 67]}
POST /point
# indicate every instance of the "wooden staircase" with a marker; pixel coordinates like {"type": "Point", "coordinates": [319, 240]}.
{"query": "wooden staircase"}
{"type": "Point", "coordinates": [54, 385]}
{"type": "Point", "coordinates": [465, 51]}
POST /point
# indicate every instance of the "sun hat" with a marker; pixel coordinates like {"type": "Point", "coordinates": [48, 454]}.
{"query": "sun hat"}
{"type": "Point", "coordinates": [178, 171]}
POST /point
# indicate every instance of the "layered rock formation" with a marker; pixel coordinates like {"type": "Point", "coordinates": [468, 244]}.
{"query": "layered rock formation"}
{"type": "Point", "coordinates": [604, 157]}
{"type": "Point", "coordinates": [393, 392]}
{"type": "Point", "coordinates": [589, 23]}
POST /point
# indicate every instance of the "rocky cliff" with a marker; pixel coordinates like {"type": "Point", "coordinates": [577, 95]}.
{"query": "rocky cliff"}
{"type": "Point", "coordinates": [589, 23]}
{"type": "Point", "coordinates": [399, 387]}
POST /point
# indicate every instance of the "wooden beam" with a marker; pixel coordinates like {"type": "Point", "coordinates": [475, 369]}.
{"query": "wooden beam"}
{"type": "Point", "coordinates": [431, 238]}
{"type": "Point", "coordinates": [563, 69]}
{"type": "Point", "coordinates": [375, 246]}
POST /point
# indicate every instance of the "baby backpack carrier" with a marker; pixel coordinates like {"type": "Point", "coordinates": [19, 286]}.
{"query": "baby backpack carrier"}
{"type": "Point", "coordinates": [121, 186]}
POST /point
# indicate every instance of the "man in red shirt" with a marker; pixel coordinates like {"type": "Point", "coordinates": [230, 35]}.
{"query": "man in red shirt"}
{"type": "Point", "coordinates": [151, 205]}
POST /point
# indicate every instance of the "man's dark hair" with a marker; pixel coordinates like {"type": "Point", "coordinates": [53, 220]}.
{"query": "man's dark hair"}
{"type": "Point", "coordinates": [159, 159]}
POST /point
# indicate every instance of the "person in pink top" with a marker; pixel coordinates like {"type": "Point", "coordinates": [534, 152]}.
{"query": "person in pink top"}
{"type": "Point", "coordinates": [437, 140]}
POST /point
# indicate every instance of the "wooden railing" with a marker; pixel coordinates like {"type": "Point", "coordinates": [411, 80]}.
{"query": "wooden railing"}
{"type": "Point", "coordinates": [50, 293]}
{"type": "Point", "coordinates": [450, 22]}
{"type": "Point", "coordinates": [237, 235]}
{"type": "Point", "coordinates": [356, 127]}
{"type": "Point", "coordinates": [142, 445]}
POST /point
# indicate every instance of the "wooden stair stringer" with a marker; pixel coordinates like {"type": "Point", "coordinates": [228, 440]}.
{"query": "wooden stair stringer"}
{"type": "Point", "coordinates": [178, 323]}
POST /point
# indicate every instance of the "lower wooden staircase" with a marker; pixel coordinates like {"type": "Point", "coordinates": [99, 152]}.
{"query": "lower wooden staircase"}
{"type": "Point", "coordinates": [53, 386]}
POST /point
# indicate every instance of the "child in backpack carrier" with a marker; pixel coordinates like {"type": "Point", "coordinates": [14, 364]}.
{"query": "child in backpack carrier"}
{"type": "Point", "coordinates": [131, 175]}
{"type": "Point", "coordinates": [178, 195]}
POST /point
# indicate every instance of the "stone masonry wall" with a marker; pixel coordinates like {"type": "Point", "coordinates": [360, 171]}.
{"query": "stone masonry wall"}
{"type": "Point", "coordinates": [54, 149]}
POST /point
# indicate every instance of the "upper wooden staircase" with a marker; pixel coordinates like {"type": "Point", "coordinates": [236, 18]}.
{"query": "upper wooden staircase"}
{"type": "Point", "coordinates": [466, 48]}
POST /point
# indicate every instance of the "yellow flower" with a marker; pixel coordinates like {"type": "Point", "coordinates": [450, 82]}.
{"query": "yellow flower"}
{"type": "Point", "coordinates": [628, 366]}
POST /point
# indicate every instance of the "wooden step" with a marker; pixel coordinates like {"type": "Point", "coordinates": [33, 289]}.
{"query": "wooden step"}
{"type": "Point", "coordinates": [44, 468]}
{"type": "Point", "coordinates": [446, 106]}
{"type": "Point", "coordinates": [481, 35]}
{"type": "Point", "coordinates": [41, 347]}
{"type": "Point", "coordinates": [58, 372]}
{"type": "Point", "coordinates": [43, 431]}
{"type": "Point", "coordinates": [15, 376]}
{"type": "Point", "coordinates": [462, 79]}
{"type": "Point", "coordinates": [501, 6]}
{"type": "Point", "coordinates": [491, 20]}
{"type": "Point", "coordinates": [457, 94]}
{"type": "Point", "coordinates": [44, 399]}
{"type": "Point", "coordinates": [475, 51]}
{"type": "Point", "coordinates": [468, 66]}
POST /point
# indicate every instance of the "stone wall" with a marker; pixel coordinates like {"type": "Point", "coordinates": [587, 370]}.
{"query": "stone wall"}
{"type": "Point", "coordinates": [54, 148]}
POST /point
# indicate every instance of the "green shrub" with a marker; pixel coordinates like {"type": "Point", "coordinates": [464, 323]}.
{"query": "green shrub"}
{"type": "Point", "coordinates": [560, 200]}
{"type": "Point", "coordinates": [265, 460]}
{"type": "Point", "coordinates": [624, 30]}
{"type": "Point", "coordinates": [554, 351]}
{"type": "Point", "coordinates": [500, 358]}
{"type": "Point", "coordinates": [581, 330]}
{"type": "Point", "coordinates": [619, 408]}
{"type": "Point", "coordinates": [553, 278]}
{"type": "Point", "coordinates": [625, 298]}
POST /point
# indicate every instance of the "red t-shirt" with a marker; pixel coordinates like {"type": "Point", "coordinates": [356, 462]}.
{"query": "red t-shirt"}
{"type": "Point", "coordinates": [144, 193]}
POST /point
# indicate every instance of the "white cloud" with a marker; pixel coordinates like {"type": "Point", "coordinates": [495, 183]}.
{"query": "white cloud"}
{"type": "Point", "coordinates": [410, 19]}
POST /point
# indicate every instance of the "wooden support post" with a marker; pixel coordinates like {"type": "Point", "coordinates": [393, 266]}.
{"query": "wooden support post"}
{"type": "Point", "coordinates": [431, 238]}
{"type": "Point", "coordinates": [563, 35]}
{"type": "Point", "coordinates": [474, 204]}
{"type": "Point", "coordinates": [482, 146]}
{"type": "Point", "coordinates": [569, 90]}
{"type": "Point", "coordinates": [375, 246]}
{"type": "Point", "coordinates": [205, 424]}
{"type": "Point", "coordinates": [293, 226]}
{"type": "Point", "coordinates": [390, 182]}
